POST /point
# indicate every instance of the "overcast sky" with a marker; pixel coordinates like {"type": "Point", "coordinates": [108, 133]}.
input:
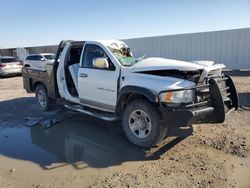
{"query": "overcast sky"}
{"type": "Point", "coordinates": [45, 22]}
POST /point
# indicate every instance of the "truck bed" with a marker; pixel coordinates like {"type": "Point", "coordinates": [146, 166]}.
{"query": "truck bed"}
{"type": "Point", "coordinates": [32, 77]}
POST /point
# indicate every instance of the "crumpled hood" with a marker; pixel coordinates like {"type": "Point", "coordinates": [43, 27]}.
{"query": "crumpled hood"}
{"type": "Point", "coordinates": [153, 63]}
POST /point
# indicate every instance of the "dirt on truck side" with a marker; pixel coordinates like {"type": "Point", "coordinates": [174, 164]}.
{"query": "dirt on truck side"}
{"type": "Point", "coordinates": [82, 151]}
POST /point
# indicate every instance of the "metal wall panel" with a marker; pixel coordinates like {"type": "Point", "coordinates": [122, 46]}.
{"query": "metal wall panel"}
{"type": "Point", "coordinates": [230, 47]}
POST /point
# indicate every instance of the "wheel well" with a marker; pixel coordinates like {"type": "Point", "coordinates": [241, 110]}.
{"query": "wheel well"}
{"type": "Point", "coordinates": [128, 98]}
{"type": "Point", "coordinates": [37, 84]}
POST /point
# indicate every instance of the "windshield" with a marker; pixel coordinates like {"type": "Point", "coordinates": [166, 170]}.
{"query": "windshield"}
{"type": "Point", "coordinates": [124, 56]}
{"type": "Point", "coordinates": [50, 57]}
{"type": "Point", "coordinates": [8, 60]}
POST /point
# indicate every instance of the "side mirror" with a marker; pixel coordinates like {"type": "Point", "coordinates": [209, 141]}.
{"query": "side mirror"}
{"type": "Point", "coordinates": [42, 59]}
{"type": "Point", "coordinates": [100, 63]}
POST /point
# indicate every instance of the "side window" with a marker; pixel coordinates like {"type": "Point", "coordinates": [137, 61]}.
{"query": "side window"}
{"type": "Point", "coordinates": [92, 51]}
{"type": "Point", "coordinates": [34, 58]}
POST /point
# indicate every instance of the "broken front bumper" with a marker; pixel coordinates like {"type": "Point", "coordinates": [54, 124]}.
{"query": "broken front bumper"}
{"type": "Point", "coordinates": [223, 99]}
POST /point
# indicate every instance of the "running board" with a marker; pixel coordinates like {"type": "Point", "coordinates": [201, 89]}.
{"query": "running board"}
{"type": "Point", "coordinates": [103, 116]}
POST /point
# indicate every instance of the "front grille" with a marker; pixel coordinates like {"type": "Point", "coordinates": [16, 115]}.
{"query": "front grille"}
{"type": "Point", "coordinates": [204, 94]}
{"type": "Point", "coordinates": [224, 89]}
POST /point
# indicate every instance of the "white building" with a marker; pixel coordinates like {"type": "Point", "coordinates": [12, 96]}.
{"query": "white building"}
{"type": "Point", "coordinates": [230, 47]}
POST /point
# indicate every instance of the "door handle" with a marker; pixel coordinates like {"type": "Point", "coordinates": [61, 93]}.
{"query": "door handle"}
{"type": "Point", "coordinates": [83, 75]}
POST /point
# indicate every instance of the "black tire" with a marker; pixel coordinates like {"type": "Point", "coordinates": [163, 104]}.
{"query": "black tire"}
{"type": "Point", "coordinates": [48, 103]}
{"type": "Point", "coordinates": [157, 131]}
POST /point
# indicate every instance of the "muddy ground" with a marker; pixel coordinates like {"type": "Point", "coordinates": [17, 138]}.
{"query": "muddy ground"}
{"type": "Point", "coordinates": [86, 152]}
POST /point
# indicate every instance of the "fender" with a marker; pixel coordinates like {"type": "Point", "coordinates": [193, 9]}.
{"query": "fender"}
{"type": "Point", "coordinates": [126, 90]}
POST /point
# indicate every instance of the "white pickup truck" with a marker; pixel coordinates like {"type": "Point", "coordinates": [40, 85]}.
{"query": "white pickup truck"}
{"type": "Point", "coordinates": [103, 79]}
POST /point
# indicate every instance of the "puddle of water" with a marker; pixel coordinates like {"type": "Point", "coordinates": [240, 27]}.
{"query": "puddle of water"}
{"type": "Point", "coordinates": [17, 143]}
{"type": "Point", "coordinates": [76, 141]}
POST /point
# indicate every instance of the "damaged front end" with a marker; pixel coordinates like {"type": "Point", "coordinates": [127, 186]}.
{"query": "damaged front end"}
{"type": "Point", "coordinates": [193, 76]}
{"type": "Point", "coordinates": [200, 94]}
{"type": "Point", "coordinates": [214, 98]}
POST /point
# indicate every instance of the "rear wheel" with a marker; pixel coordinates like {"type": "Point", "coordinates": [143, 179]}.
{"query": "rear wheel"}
{"type": "Point", "coordinates": [142, 124]}
{"type": "Point", "coordinates": [43, 99]}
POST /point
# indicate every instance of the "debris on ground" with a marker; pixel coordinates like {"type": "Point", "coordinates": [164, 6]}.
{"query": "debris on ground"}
{"type": "Point", "coordinates": [12, 170]}
{"type": "Point", "coordinates": [47, 123]}
{"type": "Point", "coordinates": [31, 121]}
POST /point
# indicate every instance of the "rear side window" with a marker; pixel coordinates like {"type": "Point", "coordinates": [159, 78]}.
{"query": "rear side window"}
{"type": "Point", "coordinates": [29, 58]}
{"type": "Point", "coordinates": [8, 60]}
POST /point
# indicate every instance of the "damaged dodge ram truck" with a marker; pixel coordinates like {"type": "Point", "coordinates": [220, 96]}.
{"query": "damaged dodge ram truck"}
{"type": "Point", "coordinates": [103, 79]}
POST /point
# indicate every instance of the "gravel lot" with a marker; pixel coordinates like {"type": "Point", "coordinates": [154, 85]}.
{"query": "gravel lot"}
{"type": "Point", "coordinates": [85, 152]}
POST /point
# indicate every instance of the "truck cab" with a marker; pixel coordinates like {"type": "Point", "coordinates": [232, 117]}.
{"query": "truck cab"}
{"type": "Point", "coordinates": [103, 79]}
{"type": "Point", "coordinates": [89, 75]}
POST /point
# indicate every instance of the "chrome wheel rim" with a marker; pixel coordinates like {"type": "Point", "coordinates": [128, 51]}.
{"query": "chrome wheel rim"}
{"type": "Point", "coordinates": [41, 96]}
{"type": "Point", "coordinates": [140, 124]}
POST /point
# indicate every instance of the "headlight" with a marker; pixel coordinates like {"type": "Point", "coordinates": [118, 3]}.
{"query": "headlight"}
{"type": "Point", "coordinates": [184, 96]}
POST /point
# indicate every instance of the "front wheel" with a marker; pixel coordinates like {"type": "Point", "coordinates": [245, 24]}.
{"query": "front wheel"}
{"type": "Point", "coordinates": [142, 124]}
{"type": "Point", "coordinates": [43, 99]}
